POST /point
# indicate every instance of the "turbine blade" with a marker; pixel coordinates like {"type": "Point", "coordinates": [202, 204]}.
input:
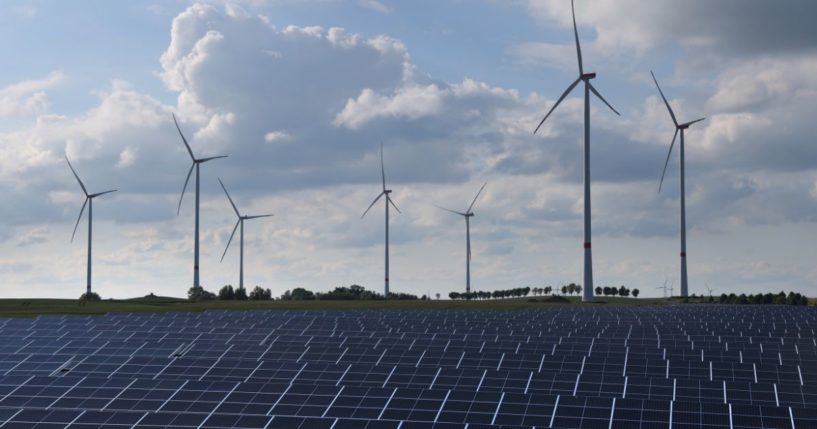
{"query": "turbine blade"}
{"type": "Point", "coordinates": [85, 191]}
{"type": "Point", "coordinates": [187, 145]}
{"type": "Point", "coordinates": [671, 113]}
{"type": "Point", "coordinates": [179, 209]}
{"type": "Point", "coordinates": [667, 161]}
{"type": "Point", "coordinates": [594, 91]}
{"type": "Point", "coordinates": [578, 45]}
{"type": "Point", "coordinates": [388, 198]}
{"type": "Point", "coordinates": [230, 240]}
{"type": "Point", "coordinates": [228, 197]}
{"type": "Point", "coordinates": [101, 193]}
{"type": "Point", "coordinates": [372, 204]}
{"type": "Point", "coordinates": [203, 160]}
{"type": "Point", "coordinates": [382, 167]}
{"type": "Point", "coordinates": [695, 121]}
{"type": "Point", "coordinates": [449, 210]}
{"type": "Point", "coordinates": [567, 91]}
{"type": "Point", "coordinates": [78, 218]}
{"type": "Point", "coordinates": [258, 216]}
{"type": "Point", "coordinates": [475, 198]}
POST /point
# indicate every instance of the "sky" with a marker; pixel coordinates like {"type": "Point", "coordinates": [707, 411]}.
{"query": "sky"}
{"type": "Point", "coordinates": [302, 93]}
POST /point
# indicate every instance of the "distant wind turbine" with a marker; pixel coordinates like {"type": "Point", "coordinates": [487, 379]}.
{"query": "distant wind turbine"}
{"type": "Point", "coordinates": [89, 200]}
{"type": "Point", "coordinates": [588, 88]}
{"type": "Point", "coordinates": [240, 222]}
{"type": "Point", "coordinates": [467, 215]}
{"type": "Point", "coordinates": [681, 128]}
{"type": "Point", "coordinates": [710, 290]}
{"type": "Point", "coordinates": [196, 163]}
{"type": "Point", "coordinates": [388, 201]}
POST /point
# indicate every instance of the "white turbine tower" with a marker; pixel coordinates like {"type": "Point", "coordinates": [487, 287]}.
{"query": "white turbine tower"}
{"type": "Point", "coordinates": [89, 200]}
{"type": "Point", "coordinates": [467, 215]}
{"type": "Point", "coordinates": [388, 201]}
{"type": "Point", "coordinates": [681, 128]}
{"type": "Point", "coordinates": [588, 88]}
{"type": "Point", "coordinates": [196, 163]}
{"type": "Point", "coordinates": [240, 222]}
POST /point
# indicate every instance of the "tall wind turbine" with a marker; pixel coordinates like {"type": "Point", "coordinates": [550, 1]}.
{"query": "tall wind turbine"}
{"type": "Point", "coordinates": [240, 222]}
{"type": "Point", "coordinates": [467, 215]}
{"type": "Point", "coordinates": [681, 128]}
{"type": "Point", "coordinates": [196, 163]}
{"type": "Point", "coordinates": [388, 201]}
{"type": "Point", "coordinates": [588, 88]}
{"type": "Point", "coordinates": [89, 200]}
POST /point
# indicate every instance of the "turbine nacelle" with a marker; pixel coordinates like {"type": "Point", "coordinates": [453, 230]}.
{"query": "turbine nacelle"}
{"type": "Point", "coordinates": [587, 76]}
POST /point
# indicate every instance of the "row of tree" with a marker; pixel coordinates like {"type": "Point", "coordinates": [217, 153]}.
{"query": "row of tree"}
{"type": "Point", "coordinates": [343, 293]}
{"type": "Point", "coordinates": [506, 293]}
{"type": "Point", "coordinates": [568, 289]}
{"type": "Point", "coordinates": [227, 293]}
{"type": "Point", "coordinates": [781, 298]}
{"type": "Point", "coordinates": [616, 291]}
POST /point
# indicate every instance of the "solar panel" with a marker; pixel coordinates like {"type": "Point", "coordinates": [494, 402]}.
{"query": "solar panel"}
{"type": "Point", "coordinates": [684, 366]}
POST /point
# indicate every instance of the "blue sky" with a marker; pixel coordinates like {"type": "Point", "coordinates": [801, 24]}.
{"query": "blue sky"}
{"type": "Point", "coordinates": [302, 93]}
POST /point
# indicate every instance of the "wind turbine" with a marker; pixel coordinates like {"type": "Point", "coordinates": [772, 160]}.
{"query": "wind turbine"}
{"type": "Point", "coordinates": [89, 200]}
{"type": "Point", "coordinates": [681, 128]}
{"type": "Point", "coordinates": [240, 221]}
{"type": "Point", "coordinates": [388, 201]}
{"type": "Point", "coordinates": [588, 88]}
{"type": "Point", "coordinates": [196, 163]}
{"type": "Point", "coordinates": [467, 215]}
{"type": "Point", "coordinates": [710, 290]}
{"type": "Point", "coordinates": [664, 288]}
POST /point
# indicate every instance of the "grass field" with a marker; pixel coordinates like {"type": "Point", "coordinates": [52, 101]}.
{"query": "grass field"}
{"type": "Point", "coordinates": [35, 307]}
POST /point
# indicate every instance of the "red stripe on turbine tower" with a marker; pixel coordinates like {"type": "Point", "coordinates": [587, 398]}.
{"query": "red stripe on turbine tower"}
{"type": "Point", "coordinates": [683, 254]}
{"type": "Point", "coordinates": [586, 245]}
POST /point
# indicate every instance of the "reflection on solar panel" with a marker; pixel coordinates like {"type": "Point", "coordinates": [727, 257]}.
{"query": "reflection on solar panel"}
{"type": "Point", "coordinates": [678, 366]}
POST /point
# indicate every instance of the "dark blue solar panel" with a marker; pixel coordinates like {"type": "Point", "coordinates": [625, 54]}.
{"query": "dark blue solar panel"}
{"type": "Point", "coordinates": [694, 366]}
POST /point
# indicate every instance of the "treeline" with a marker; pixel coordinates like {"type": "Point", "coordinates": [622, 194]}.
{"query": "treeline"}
{"type": "Point", "coordinates": [343, 293]}
{"type": "Point", "coordinates": [520, 292]}
{"type": "Point", "coordinates": [227, 293]}
{"type": "Point", "coordinates": [781, 298]}
{"type": "Point", "coordinates": [616, 291]}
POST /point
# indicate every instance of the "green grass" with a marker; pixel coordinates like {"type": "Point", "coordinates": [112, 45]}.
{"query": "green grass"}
{"type": "Point", "coordinates": [36, 307]}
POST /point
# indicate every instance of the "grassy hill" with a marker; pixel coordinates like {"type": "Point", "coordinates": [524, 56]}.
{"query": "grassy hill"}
{"type": "Point", "coordinates": [35, 307]}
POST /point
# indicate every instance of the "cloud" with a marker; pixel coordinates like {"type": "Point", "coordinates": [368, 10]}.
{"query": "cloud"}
{"type": "Point", "coordinates": [374, 5]}
{"type": "Point", "coordinates": [28, 97]}
{"type": "Point", "coordinates": [700, 26]}
{"type": "Point", "coordinates": [302, 110]}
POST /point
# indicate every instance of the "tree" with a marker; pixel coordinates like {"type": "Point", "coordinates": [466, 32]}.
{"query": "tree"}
{"type": "Point", "coordinates": [635, 293]}
{"type": "Point", "coordinates": [199, 294]}
{"type": "Point", "coordinates": [89, 296]}
{"type": "Point", "coordinates": [226, 293]}
{"type": "Point", "coordinates": [258, 294]}
{"type": "Point", "coordinates": [454, 295]}
{"type": "Point", "coordinates": [598, 290]}
{"type": "Point", "coordinates": [623, 291]}
{"type": "Point", "coordinates": [241, 294]}
{"type": "Point", "coordinates": [548, 290]}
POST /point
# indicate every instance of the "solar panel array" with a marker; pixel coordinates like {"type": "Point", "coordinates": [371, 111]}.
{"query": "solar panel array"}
{"type": "Point", "coordinates": [604, 367]}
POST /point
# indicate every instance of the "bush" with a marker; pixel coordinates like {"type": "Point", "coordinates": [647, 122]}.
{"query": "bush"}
{"type": "Point", "coordinates": [90, 296]}
{"type": "Point", "coordinates": [199, 294]}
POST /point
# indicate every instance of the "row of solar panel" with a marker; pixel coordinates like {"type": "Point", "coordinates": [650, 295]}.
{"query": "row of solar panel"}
{"type": "Point", "coordinates": [21, 390]}
{"type": "Point", "coordinates": [450, 408]}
